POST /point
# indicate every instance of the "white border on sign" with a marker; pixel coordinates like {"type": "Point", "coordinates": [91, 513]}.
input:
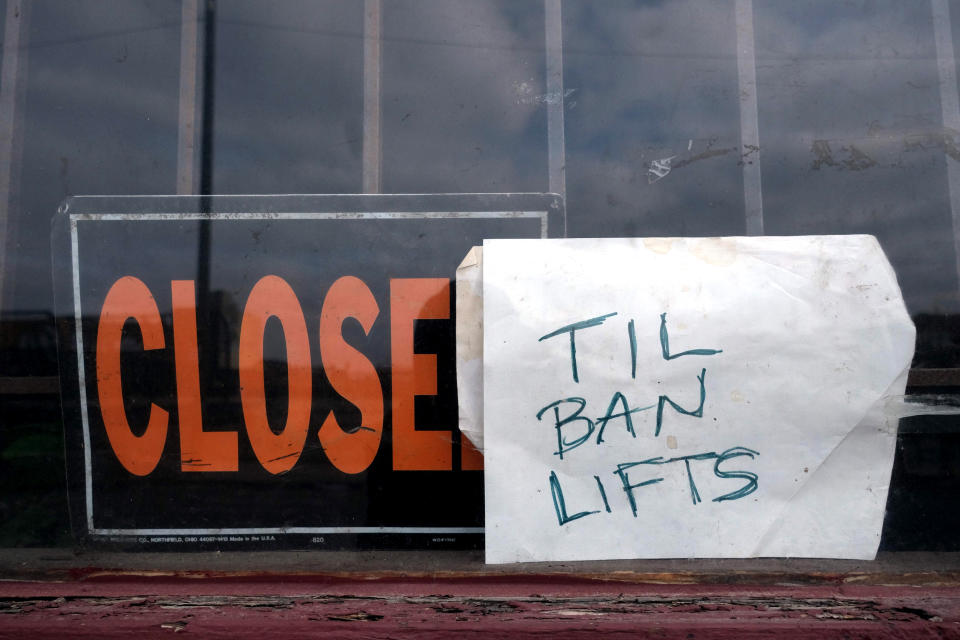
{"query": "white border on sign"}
{"type": "Point", "coordinates": [81, 377]}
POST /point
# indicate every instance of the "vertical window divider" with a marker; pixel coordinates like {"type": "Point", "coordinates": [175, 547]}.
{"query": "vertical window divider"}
{"type": "Point", "coordinates": [950, 107]}
{"type": "Point", "coordinates": [372, 139]}
{"type": "Point", "coordinates": [749, 119]}
{"type": "Point", "coordinates": [13, 75]}
{"type": "Point", "coordinates": [187, 121]}
{"type": "Point", "coordinates": [556, 142]}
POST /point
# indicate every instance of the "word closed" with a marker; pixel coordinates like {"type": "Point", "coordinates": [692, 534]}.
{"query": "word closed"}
{"type": "Point", "coordinates": [350, 448]}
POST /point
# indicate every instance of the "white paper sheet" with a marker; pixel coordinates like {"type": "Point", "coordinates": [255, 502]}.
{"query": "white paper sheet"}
{"type": "Point", "coordinates": [797, 341]}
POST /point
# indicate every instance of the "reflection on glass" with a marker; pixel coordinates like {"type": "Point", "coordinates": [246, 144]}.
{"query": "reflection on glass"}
{"type": "Point", "coordinates": [851, 129]}
{"type": "Point", "coordinates": [464, 102]}
{"type": "Point", "coordinates": [652, 120]}
{"type": "Point", "coordinates": [288, 96]}
{"type": "Point", "coordinates": [853, 139]}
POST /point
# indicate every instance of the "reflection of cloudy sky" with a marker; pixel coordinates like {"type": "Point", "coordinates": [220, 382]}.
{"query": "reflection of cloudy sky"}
{"type": "Point", "coordinates": [650, 81]}
{"type": "Point", "coordinates": [862, 82]}
{"type": "Point", "coordinates": [288, 115]}
{"type": "Point", "coordinates": [459, 96]}
{"type": "Point", "coordinates": [654, 78]}
{"type": "Point", "coordinates": [464, 110]}
{"type": "Point", "coordinates": [101, 108]}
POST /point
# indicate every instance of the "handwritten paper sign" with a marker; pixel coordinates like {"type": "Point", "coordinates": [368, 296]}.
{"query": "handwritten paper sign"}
{"type": "Point", "coordinates": [658, 398]}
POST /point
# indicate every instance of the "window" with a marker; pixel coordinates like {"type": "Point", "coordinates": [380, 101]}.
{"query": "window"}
{"type": "Point", "coordinates": [647, 119]}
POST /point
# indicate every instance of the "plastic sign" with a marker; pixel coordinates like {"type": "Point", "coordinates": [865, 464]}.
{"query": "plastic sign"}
{"type": "Point", "coordinates": [270, 371]}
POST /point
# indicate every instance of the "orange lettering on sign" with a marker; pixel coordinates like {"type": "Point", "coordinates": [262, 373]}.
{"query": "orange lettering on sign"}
{"type": "Point", "coordinates": [350, 372]}
{"type": "Point", "coordinates": [416, 373]}
{"type": "Point", "coordinates": [128, 298]}
{"type": "Point", "coordinates": [273, 297]}
{"type": "Point", "coordinates": [351, 375]}
{"type": "Point", "coordinates": [199, 450]}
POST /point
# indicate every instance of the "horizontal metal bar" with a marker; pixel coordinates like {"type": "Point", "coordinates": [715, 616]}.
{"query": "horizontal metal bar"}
{"type": "Point", "coordinates": [241, 531]}
{"type": "Point", "coordinates": [29, 385]}
{"type": "Point", "coordinates": [934, 378]}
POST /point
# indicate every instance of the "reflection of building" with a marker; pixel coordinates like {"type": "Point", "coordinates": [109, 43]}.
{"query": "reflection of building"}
{"type": "Point", "coordinates": [28, 344]}
{"type": "Point", "coordinates": [938, 341]}
{"type": "Point", "coordinates": [224, 330]}
{"type": "Point", "coordinates": [33, 500]}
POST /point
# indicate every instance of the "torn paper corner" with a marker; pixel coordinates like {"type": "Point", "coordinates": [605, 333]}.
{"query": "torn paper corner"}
{"type": "Point", "coordinates": [469, 313]}
{"type": "Point", "coordinates": [852, 462]}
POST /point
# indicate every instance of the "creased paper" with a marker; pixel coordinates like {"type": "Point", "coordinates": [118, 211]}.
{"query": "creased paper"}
{"type": "Point", "coordinates": [717, 397]}
{"type": "Point", "coordinates": [469, 305]}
